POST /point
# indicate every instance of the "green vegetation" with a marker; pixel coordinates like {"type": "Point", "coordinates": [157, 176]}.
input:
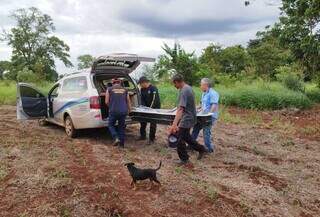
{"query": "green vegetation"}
{"type": "Point", "coordinates": [8, 91]}
{"type": "Point", "coordinates": [259, 95]}
{"type": "Point", "coordinates": [269, 73]}
{"type": "Point", "coordinates": [34, 47]}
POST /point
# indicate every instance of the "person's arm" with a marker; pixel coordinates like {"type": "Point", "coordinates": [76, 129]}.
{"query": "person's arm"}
{"type": "Point", "coordinates": [129, 103]}
{"type": "Point", "coordinates": [107, 97]}
{"type": "Point", "coordinates": [179, 113]}
{"type": "Point", "coordinates": [213, 107]}
{"type": "Point", "coordinates": [214, 100]}
{"type": "Point", "coordinates": [177, 118]}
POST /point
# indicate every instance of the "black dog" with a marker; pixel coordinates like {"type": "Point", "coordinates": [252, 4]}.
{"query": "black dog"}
{"type": "Point", "coordinates": [142, 174]}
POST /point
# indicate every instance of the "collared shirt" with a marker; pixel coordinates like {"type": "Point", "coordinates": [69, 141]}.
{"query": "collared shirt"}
{"type": "Point", "coordinates": [150, 97]}
{"type": "Point", "coordinates": [209, 98]}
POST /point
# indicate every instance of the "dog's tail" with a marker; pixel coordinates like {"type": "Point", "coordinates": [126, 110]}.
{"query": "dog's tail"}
{"type": "Point", "coordinates": [159, 165]}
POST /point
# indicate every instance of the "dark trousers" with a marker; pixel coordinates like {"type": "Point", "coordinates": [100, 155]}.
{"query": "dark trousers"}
{"type": "Point", "coordinates": [183, 138]}
{"type": "Point", "coordinates": [118, 132]}
{"type": "Point", "coordinates": [152, 132]}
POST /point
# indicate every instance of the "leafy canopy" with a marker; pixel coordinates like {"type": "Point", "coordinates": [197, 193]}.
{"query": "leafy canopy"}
{"type": "Point", "coordinates": [33, 45]}
{"type": "Point", "coordinates": [85, 61]}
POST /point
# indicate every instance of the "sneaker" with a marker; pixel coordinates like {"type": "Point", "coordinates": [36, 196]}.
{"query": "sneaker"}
{"type": "Point", "coordinates": [201, 154]}
{"type": "Point", "coordinates": [121, 146]}
{"type": "Point", "coordinates": [150, 142]}
{"type": "Point", "coordinates": [182, 162]}
{"type": "Point", "coordinates": [141, 138]}
{"type": "Point", "coordinates": [116, 142]}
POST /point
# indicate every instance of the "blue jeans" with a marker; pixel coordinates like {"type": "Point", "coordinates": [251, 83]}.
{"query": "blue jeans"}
{"type": "Point", "coordinates": [119, 132]}
{"type": "Point", "coordinates": [207, 136]}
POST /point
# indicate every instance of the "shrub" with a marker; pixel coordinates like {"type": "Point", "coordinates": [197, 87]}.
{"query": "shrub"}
{"type": "Point", "coordinates": [289, 76]}
{"type": "Point", "coordinates": [262, 95]}
{"type": "Point", "coordinates": [313, 94]}
{"type": "Point", "coordinates": [257, 95]}
{"type": "Point", "coordinates": [27, 75]}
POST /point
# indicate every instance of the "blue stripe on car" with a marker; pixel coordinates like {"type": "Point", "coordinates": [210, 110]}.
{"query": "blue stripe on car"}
{"type": "Point", "coordinates": [70, 104]}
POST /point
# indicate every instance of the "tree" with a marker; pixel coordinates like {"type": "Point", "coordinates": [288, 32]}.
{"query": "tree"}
{"type": "Point", "coordinates": [85, 61]}
{"type": "Point", "coordinates": [181, 61]}
{"type": "Point", "coordinates": [33, 45]}
{"type": "Point", "coordinates": [267, 53]}
{"type": "Point", "coordinates": [234, 59]}
{"type": "Point", "coordinates": [299, 26]}
{"type": "Point", "coordinates": [210, 58]}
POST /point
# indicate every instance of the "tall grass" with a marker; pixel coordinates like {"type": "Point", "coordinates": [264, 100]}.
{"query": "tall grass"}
{"type": "Point", "coordinates": [262, 95]}
{"type": "Point", "coordinates": [8, 91]}
{"type": "Point", "coordinates": [313, 92]}
{"type": "Point", "coordinates": [257, 95]}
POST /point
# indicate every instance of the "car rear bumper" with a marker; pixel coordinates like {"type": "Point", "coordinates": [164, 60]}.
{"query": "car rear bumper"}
{"type": "Point", "coordinates": [94, 120]}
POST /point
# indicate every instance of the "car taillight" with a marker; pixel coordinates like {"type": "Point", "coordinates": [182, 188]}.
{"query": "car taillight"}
{"type": "Point", "coordinates": [94, 102]}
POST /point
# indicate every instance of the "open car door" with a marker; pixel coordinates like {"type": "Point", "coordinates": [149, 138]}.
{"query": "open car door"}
{"type": "Point", "coordinates": [31, 103]}
{"type": "Point", "coordinates": [164, 116]}
{"type": "Point", "coordinates": [119, 61]}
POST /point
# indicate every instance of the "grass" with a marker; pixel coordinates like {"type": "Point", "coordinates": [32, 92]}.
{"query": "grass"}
{"type": "Point", "coordinates": [8, 91]}
{"type": "Point", "coordinates": [3, 172]}
{"type": "Point", "coordinates": [313, 92]}
{"type": "Point", "coordinates": [259, 95]}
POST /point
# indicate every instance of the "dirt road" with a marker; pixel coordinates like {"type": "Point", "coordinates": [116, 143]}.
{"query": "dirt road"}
{"type": "Point", "coordinates": [257, 170]}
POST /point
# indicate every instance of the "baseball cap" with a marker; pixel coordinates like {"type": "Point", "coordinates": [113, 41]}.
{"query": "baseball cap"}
{"type": "Point", "coordinates": [143, 79]}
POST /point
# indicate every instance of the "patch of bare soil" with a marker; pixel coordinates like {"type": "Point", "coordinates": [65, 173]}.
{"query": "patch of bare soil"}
{"type": "Point", "coordinates": [258, 169]}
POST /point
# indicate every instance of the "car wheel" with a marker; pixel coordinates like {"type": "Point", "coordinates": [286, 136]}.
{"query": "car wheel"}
{"type": "Point", "coordinates": [42, 122]}
{"type": "Point", "coordinates": [69, 128]}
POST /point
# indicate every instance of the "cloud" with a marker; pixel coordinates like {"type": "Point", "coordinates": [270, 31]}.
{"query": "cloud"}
{"type": "Point", "coordinates": [103, 26]}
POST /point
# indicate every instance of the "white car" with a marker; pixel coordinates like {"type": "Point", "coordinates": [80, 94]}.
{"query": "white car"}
{"type": "Point", "coordinates": [77, 101]}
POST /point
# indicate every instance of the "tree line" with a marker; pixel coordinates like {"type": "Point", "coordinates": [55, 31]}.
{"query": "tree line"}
{"type": "Point", "coordinates": [291, 46]}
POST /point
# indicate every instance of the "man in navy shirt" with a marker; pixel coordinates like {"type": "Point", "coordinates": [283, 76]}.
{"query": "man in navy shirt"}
{"type": "Point", "coordinates": [149, 98]}
{"type": "Point", "coordinates": [118, 101]}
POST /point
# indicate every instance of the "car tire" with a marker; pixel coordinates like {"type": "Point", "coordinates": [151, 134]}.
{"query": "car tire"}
{"type": "Point", "coordinates": [69, 128]}
{"type": "Point", "coordinates": [42, 122]}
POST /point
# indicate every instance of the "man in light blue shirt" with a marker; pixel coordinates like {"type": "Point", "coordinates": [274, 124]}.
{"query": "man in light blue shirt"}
{"type": "Point", "coordinates": [209, 103]}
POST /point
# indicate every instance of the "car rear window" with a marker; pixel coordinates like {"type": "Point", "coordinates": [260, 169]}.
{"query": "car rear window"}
{"type": "Point", "coordinates": [78, 84]}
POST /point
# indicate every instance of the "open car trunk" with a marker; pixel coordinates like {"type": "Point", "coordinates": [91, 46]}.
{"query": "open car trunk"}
{"type": "Point", "coordinates": [103, 80]}
{"type": "Point", "coordinates": [117, 65]}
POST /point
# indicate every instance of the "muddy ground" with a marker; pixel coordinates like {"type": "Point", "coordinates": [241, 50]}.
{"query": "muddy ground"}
{"type": "Point", "coordinates": [265, 164]}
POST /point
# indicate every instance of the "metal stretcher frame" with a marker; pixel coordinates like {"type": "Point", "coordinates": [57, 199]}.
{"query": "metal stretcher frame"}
{"type": "Point", "coordinates": [164, 116]}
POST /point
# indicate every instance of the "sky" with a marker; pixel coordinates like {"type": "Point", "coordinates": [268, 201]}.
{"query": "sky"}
{"type": "Point", "coordinates": [100, 27]}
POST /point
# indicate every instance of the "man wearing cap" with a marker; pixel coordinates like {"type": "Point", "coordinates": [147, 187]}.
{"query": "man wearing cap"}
{"type": "Point", "coordinates": [118, 101]}
{"type": "Point", "coordinates": [149, 98]}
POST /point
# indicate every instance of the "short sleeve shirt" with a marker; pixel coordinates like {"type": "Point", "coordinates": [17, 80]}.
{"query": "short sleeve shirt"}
{"type": "Point", "coordinates": [150, 97]}
{"type": "Point", "coordinates": [187, 101]}
{"type": "Point", "coordinates": [209, 98]}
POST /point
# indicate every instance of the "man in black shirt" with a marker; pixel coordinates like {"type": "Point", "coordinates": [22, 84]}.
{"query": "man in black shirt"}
{"type": "Point", "coordinates": [149, 98]}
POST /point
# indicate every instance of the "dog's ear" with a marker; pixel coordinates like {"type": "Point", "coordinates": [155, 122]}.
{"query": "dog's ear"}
{"type": "Point", "coordinates": [129, 164]}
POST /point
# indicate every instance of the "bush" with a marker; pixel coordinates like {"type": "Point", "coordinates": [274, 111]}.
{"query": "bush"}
{"type": "Point", "coordinates": [262, 95]}
{"type": "Point", "coordinates": [257, 95]}
{"type": "Point", "coordinates": [313, 93]}
{"type": "Point", "coordinates": [27, 75]}
{"type": "Point", "coordinates": [7, 92]}
{"type": "Point", "coordinates": [289, 76]}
